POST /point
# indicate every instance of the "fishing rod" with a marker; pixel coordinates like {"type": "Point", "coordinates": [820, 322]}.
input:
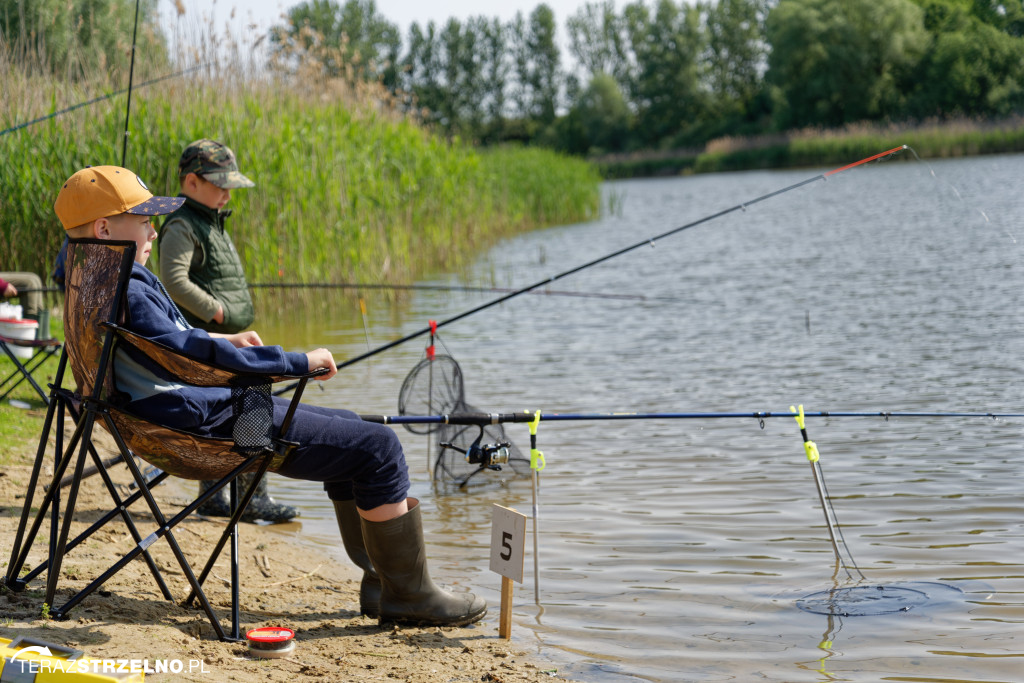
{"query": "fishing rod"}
{"type": "Point", "coordinates": [614, 254]}
{"type": "Point", "coordinates": [461, 456]}
{"type": "Point", "coordinates": [478, 418]}
{"type": "Point", "coordinates": [131, 77]}
{"type": "Point", "coordinates": [835, 532]}
{"type": "Point", "coordinates": [436, 288]}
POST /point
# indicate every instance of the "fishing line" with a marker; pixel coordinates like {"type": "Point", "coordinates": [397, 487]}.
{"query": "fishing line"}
{"type": "Point", "coordinates": [956, 192]}
{"type": "Point", "coordinates": [838, 527]}
{"type": "Point", "coordinates": [94, 100]}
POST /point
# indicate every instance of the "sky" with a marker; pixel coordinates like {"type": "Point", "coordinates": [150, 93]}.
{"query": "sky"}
{"type": "Point", "coordinates": [265, 13]}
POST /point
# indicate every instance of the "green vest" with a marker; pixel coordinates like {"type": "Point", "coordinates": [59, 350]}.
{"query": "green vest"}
{"type": "Point", "coordinates": [216, 268]}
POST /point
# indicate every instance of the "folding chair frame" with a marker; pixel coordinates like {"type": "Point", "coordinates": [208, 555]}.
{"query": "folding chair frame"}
{"type": "Point", "coordinates": [93, 408]}
{"type": "Point", "coordinates": [45, 348]}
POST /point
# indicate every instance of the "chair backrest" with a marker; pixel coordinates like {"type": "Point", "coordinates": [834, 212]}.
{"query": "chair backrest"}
{"type": "Point", "coordinates": [96, 280]}
{"type": "Point", "coordinates": [96, 287]}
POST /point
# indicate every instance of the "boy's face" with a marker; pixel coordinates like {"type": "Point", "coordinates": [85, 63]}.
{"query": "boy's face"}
{"type": "Point", "coordinates": [138, 229]}
{"type": "Point", "coordinates": [205, 192]}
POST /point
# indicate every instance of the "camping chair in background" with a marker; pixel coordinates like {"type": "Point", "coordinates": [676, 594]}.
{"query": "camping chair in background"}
{"type": "Point", "coordinates": [95, 303]}
{"type": "Point", "coordinates": [42, 349]}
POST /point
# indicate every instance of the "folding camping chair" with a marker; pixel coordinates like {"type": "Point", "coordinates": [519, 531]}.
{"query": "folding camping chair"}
{"type": "Point", "coordinates": [95, 301]}
{"type": "Point", "coordinates": [42, 349]}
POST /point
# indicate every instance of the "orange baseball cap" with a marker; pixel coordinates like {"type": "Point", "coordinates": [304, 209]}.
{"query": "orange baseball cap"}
{"type": "Point", "coordinates": [104, 191]}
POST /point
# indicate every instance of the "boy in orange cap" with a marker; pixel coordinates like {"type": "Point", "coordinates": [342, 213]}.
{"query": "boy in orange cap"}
{"type": "Point", "coordinates": [361, 464]}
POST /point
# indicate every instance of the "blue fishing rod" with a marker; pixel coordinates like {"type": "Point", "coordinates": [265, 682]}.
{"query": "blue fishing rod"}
{"type": "Point", "coordinates": [478, 418]}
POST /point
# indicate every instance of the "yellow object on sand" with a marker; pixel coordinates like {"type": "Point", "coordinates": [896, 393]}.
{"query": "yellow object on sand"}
{"type": "Point", "coordinates": [25, 660]}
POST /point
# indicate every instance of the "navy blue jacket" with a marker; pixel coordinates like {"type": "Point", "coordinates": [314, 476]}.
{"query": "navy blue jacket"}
{"type": "Point", "coordinates": [155, 395]}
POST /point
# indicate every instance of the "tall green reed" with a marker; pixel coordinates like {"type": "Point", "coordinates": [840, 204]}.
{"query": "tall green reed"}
{"type": "Point", "coordinates": [346, 189]}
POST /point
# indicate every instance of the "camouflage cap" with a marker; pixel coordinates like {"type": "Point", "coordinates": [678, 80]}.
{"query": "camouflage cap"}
{"type": "Point", "coordinates": [214, 162]}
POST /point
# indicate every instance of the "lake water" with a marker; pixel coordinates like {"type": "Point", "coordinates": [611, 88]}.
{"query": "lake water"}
{"type": "Point", "coordinates": [677, 550]}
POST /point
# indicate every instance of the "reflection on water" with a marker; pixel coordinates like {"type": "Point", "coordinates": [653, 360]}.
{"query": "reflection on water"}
{"type": "Point", "coordinates": [678, 549]}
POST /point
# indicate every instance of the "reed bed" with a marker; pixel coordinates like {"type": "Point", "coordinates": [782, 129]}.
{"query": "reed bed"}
{"type": "Point", "coordinates": [347, 188]}
{"type": "Point", "coordinates": [817, 147]}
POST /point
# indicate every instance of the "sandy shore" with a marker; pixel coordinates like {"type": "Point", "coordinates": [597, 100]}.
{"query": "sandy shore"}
{"type": "Point", "coordinates": [284, 583]}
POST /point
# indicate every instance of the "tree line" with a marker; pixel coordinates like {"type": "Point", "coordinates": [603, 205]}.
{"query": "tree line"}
{"type": "Point", "coordinates": [670, 74]}
{"type": "Point", "coordinates": [649, 75]}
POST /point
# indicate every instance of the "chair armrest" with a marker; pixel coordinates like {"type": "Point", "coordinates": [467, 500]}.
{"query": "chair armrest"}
{"type": "Point", "coordinates": [30, 343]}
{"type": "Point", "coordinates": [196, 372]}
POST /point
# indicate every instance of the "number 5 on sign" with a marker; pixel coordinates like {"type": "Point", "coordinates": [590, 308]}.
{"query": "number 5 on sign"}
{"type": "Point", "coordinates": [508, 541]}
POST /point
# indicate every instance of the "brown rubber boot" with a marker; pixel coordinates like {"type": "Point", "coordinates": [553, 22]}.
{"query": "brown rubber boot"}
{"type": "Point", "coordinates": [352, 537]}
{"type": "Point", "coordinates": [409, 595]}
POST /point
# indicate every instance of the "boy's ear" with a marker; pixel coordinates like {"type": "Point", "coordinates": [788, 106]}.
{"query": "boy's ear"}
{"type": "Point", "coordinates": [101, 229]}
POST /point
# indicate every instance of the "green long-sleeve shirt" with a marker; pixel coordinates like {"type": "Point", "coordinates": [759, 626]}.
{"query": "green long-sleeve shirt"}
{"type": "Point", "coordinates": [201, 269]}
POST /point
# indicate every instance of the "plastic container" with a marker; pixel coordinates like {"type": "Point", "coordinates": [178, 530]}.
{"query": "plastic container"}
{"type": "Point", "coordinates": [271, 642]}
{"type": "Point", "coordinates": [10, 311]}
{"type": "Point", "coordinates": [20, 329]}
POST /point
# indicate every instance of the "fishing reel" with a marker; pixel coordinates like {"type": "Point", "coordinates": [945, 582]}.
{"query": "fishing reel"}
{"type": "Point", "coordinates": [489, 456]}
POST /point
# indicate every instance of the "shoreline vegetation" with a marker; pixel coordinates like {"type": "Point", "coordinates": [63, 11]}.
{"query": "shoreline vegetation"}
{"type": "Point", "coordinates": [820, 147]}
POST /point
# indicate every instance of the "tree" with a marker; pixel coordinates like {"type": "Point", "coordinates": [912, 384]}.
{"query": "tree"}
{"type": "Point", "coordinates": [597, 41]}
{"type": "Point", "coordinates": [352, 40]}
{"type": "Point", "coordinates": [977, 70]}
{"type": "Point", "coordinates": [494, 64]}
{"type": "Point", "coordinates": [601, 116]}
{"type": "Point", "coordinates": [544, 75]}
{"type": "Point", "coordinates": [665, 89]}
{"type": "Point", "coordinates": [521, 65]}
{"type": "Point", "coordinates": [736, 54]}
{"type": "Point", "coordinates": [834, 62]}
{"type": "Point", "coordinates": [1004, 15]}
{"type": "Point", "coordinates": [422, 69]}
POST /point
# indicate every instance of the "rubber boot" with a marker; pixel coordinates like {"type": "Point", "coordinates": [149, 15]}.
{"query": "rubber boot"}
{"type": "Point", "coordinates": [262, 506]}
{"type": "Point", "coordinates": [408, 594]}
{"type": "Point", "coordinates": [352, 537]}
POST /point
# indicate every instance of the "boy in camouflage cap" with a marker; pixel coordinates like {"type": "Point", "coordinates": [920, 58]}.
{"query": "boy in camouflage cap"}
{"type": "Point", "coordinates": [201, 269]}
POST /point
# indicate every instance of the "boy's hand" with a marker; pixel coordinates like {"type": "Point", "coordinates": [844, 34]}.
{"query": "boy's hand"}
{"type": "Point", "coordinates": [240, 339]}
{"type": "Point", "coordinates": [10, 290]}
{"type": "Point", "coordinates": [247, 338]}
{"type": "Point", "coordinates": [218, 317]}
{"type": "Point", "coordinates": [322, 358]}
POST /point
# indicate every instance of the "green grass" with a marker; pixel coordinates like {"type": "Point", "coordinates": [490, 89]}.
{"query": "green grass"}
{"type": "Point", "coordinates": [19, 428]}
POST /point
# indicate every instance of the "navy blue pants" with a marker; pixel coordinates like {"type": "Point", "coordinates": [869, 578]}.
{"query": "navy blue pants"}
{"type": "Point", "coordinates": [354, 459]}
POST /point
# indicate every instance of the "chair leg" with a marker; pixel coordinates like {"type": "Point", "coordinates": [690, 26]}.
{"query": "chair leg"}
{"type": "Point", "coordinates": [22, 543]}
{"type": "Point", "coordinates": [231, 531]}
{"type": "Point", "coordinates": [26, 370]}
{"type": "Point", "coordinates": [57, 556]}
{"type": "Point", "coordinates": [163, 531]}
